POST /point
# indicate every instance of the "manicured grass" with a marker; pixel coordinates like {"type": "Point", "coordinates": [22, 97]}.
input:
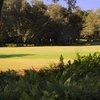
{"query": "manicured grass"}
{"type": "Point", "coordinates": [37, 57]}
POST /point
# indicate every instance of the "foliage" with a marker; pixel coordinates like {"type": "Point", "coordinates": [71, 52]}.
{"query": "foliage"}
{"type": "Point", "coordinates": [71, 3]}
{"type": "Point", "coordinates": [41, 24]}
{"type": "Point", "coordinates": [78, 80]}
{"type": "Point", "coordinates": [91, 27]}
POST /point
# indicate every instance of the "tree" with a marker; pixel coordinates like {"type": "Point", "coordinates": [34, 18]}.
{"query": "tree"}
{"type": "Point", "coordinates": [58, 17]}
{"type": "Point", "coordinates": [38, 20]}
{"type": "Point", "coordinates": [1, 4]}
{"type": "Point", "coordinates": [91, 27]}
{"type": "Point", "coordinates": [17, 23]}
{"type": "Point", "coordinates": [71, 3]}
{"type": "Point", "coordinates": [76, 22]}
{"type": "Point", "coordinates": [42, 24]}
{"type": "Point", "coordinates": [97, 24]}
{"type": "Point", "coordinates": [2, 36]}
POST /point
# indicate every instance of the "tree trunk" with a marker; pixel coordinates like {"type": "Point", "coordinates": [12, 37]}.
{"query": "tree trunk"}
{"type": "Point", "coordinates": [1, 4]}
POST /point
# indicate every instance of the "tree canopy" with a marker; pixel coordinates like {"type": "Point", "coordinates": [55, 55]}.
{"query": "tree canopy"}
{"type": "Point", "coordinates": [41, 24]}
{"type": "Point", "coordinates": [70, 3]}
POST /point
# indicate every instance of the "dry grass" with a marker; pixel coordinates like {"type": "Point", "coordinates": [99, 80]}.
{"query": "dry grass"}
{"type": "Point", "coordinates": [39, 57]}
{"type": "Point", "coordinates": [20, 64]}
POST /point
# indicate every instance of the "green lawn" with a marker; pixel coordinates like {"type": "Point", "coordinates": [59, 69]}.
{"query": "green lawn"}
{"type": "Point", "coordinates": [37, 57]}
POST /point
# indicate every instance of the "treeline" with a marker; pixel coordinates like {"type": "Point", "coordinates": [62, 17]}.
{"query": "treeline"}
{"type": "Point", "coordinates": [41, 24]}
{"type": "Point", "coordinates": [79, 80]}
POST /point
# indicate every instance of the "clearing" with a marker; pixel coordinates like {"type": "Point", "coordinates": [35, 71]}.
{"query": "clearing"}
{"type": "Point", "coordinates": [19, 58]}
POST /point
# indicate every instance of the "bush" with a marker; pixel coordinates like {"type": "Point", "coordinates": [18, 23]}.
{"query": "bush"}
{"type": "Point", "coordinates": [79, 80]}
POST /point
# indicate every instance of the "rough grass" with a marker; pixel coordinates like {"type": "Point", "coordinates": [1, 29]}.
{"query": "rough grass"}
{"type": "Point", "coordinates": [18, 58]}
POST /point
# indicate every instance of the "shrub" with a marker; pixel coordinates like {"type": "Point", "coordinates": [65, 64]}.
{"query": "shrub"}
{"type": "Point", "coordinates": [79, 80]}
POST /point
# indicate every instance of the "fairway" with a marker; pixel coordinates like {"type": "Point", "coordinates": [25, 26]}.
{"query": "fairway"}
{"type": "Point", "coordinates": [19, 58]}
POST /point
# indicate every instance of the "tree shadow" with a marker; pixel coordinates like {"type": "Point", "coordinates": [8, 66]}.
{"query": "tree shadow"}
{"type": "Point", "coordinates": [15, 55]}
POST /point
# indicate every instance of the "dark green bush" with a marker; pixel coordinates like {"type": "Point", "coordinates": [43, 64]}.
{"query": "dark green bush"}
{"type": "Point", "coordinates": [79, 80]}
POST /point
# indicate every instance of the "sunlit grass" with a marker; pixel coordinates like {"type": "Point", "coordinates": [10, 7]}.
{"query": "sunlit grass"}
{"type": "Point", "coordinates": [38, 57]}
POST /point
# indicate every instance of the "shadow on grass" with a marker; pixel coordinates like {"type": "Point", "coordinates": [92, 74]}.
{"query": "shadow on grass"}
{"type": "Point", "coordinates": [15, 55]}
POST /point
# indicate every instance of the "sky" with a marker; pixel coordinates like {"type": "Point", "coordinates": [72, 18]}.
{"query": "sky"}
{"type": "Point", "coordinates": [83, 4]}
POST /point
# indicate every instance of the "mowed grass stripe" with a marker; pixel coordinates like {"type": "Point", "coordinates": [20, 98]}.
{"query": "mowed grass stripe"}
{"type": "Point", "coordinates": [27, 57]}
